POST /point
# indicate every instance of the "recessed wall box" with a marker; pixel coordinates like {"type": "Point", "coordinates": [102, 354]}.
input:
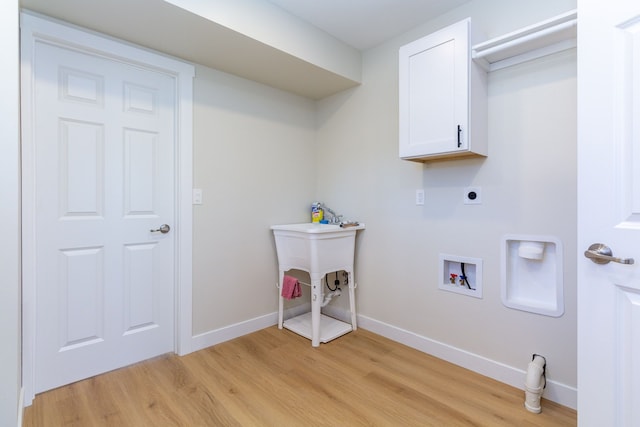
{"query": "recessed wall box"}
{"type": "Point", "coordinates": [462, 275]}
{"type": "Point", "coordinates": [531, 278]}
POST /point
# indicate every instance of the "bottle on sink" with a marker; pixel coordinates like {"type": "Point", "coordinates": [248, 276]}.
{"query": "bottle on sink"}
{"type": "Point", "coordinates": [317, 213]}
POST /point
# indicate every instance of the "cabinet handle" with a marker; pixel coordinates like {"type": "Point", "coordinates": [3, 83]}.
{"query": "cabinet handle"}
{"type": "Point", "coordinates": [459, 136]}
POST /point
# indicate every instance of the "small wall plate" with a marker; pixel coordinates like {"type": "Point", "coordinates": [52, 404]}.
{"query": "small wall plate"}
{"type": "Point", "coordinates": [472, 196]}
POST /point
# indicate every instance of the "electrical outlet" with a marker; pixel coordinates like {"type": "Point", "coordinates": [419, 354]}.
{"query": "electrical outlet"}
{"type": "Point", "coordinates": [419, 197]}
{"type": "Point", "coordinates": [472, 196]}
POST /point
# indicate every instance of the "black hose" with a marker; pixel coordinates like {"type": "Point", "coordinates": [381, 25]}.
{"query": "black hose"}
{"type": "Point", "coordinates": [464, 277]}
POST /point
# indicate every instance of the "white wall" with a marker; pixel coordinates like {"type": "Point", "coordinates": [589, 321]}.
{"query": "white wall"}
{"type": "Point", "coordinates": [254, 158]}
{"type": "Point", "coordinates": [528, 187]}
{"type": "Point", "coordinates": [10, 382]}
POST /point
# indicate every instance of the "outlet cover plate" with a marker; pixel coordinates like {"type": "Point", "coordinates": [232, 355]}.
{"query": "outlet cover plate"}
{"type": "Point", "coordinates": [197, 196]}
{"type": "Point", "coordinates": [472, 196]}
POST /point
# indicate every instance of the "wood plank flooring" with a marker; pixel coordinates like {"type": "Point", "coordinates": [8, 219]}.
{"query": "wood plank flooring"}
{"type": "Point", "coordinates": [275, 378]}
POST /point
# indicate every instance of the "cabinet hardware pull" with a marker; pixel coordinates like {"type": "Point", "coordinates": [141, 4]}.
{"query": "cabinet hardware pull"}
{"type": "Point", "coordinates": [459, 138]}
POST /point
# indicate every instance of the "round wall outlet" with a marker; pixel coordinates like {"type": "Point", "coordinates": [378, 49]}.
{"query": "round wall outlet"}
{"type": "Point", "coordinates": [472, 196]}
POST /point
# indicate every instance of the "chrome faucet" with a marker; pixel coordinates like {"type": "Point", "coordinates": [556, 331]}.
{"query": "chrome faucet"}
{"type": "Point", "coordinates": [335, 218]}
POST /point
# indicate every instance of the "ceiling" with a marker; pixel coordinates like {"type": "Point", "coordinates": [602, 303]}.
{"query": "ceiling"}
{"type": "Point", "coordinates": [366, 23]}
{"type": "Point", "coordinates": [229, 43]}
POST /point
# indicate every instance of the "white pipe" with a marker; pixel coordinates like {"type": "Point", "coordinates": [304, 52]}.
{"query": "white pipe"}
{"type": "Point", "coordinates": [535, 383]}
{"type": "Point", "coordinates": [327, 298]}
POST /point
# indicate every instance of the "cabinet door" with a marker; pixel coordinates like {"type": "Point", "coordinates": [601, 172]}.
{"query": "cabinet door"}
{"type": "Point", "coordinates": [434, 82]}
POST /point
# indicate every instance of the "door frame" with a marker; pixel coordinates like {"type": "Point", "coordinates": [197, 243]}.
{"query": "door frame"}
{"type": "Point", "coordinates": [35, 29]}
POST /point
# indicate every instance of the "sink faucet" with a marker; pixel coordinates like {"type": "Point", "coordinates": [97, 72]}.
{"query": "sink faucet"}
{"type": "Point", "coordinates": [335, 218]}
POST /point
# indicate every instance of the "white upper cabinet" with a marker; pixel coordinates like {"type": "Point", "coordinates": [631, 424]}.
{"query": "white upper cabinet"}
{"type": "Point", "coordinates": [443, 97]}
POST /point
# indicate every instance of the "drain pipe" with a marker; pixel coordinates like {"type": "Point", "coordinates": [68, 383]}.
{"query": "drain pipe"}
{"type": "Point", "coordinates": [535, 383]}
{"type": "Point", "coordinates": [327, 297]}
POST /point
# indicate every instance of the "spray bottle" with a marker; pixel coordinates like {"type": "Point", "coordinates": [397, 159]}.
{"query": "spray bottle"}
{"type": "Point", "coordinates": [317, 213]}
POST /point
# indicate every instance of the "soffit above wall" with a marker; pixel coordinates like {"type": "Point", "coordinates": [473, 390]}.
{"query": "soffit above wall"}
{"type": "Point", "coordinates": [164, 27]}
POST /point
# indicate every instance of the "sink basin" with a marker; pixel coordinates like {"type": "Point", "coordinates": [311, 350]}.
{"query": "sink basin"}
{"type": "Point", "coordinates": [315, 248]}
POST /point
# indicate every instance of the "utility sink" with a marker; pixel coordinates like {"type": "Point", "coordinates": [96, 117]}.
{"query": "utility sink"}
{"type": "Point", "coordinates": [317, 249]}
{"type": "Point", "coordinates": [314, 247]}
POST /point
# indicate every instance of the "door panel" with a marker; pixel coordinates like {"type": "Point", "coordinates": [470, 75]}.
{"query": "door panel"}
{"type": "Point", "coordinates": [138, 284]}
{"type": "Point", "coordinates": [81, 164]}
{"type": "Point", "coordinates": [609, 212]}
{"type": "Point", "coordinates": [81, 287]}
{"type": "Point", "coordinates": [627, 355]}
{"type": "Point", "coordinates": [432, 122]}
{"type": "Point", "coordinates": [140, 156]}
{"type": "Point", "coordinates": [104, 152]}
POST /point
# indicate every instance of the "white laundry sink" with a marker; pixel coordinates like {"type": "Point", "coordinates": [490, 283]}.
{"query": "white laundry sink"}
{"type": "Point", "coordinates": [315, 248]}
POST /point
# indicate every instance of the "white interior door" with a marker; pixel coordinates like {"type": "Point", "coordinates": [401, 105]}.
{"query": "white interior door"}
{"type": "Point", "coordinates": [104, 134]}
{"type": "Point", "coordinates": [609, 212]}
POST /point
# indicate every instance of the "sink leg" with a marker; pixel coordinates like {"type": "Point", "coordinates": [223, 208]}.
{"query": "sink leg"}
{"type": "Point", "coordinates": [280, 300]}
{"type": "Point", "coordinates": [316, 306]}
{"type": "Point", "coordinates": [352, 300]}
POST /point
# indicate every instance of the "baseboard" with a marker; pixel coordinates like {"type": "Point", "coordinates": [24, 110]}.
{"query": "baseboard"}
{"type": "Point", "coordinates": [555, 391]}
{"type": "Point", "coordinates": [21, 407]}
{"type": "Point", "coordinates": [217, 336]}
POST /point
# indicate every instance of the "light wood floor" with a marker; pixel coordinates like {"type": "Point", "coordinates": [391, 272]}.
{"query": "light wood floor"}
{"type": "Point", "coordinates": [275, 378]}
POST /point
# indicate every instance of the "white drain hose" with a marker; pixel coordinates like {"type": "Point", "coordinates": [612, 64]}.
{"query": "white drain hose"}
{"type": "Point", "coordinates": [535, 383]}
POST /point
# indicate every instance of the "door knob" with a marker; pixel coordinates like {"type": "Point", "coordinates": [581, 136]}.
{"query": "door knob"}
{"type": "Point", "coordinates": [164, 229]}
{"type": "Point", "coordinates": [601, 254]}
